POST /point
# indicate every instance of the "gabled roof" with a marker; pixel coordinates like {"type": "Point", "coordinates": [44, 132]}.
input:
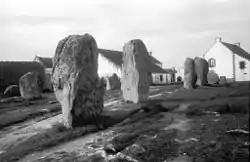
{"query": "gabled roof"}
{"type": "Point", "coordinates": [172, 71]}
{"type": "Point", "coordinates": [154, 60]}
{"type": "Point", "coordinates": [112, 55]}
{"type": "Point", "coordinates": [237, 50]}
{"type": "Point", "coordinates": [46, 61]}
{"type": "Point", "coordinates": [116, 58]}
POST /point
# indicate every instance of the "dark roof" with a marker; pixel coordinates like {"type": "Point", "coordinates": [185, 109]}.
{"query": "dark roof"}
{"type": "Point", "coordinates": [116, 58]}
{"type": "Point", "coordinates": [46, 61]}
{"type": "Point", "coordinates": [154, 60]}
{"type": "Point", "coordinates": [237, 50]}
{"type": "Point", "coordinates": [170, 71]}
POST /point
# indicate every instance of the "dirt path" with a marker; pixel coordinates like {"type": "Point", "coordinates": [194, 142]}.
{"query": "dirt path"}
{"type": "Point", "coordinates": [182, 124]}
{"type": "Point", "coordinates": [81, 143]}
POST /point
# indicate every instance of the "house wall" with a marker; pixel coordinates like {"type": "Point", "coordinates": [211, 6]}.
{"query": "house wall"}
{"type": "Point", "coordinates": [241, 75]}
{"type": "Point", "coordinates": [180, 72]}
{"type": "Point", "coordinates": [224, 60]}
{"type": "Point", "coordinates": [106, 68]}
{"type": "Point", "coordinates": [166, 78]}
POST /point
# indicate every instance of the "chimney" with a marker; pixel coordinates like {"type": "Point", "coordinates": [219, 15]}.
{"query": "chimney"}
{"type": "Point", "coordinates": [218, 39]}
{"type": "Point", "coordinates": [237, 44]}
{"type": "Point", "coordinates": [150, 53]}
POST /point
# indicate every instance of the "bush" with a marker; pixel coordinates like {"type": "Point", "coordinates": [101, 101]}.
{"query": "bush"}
{"type": "Point", "coordinates": [11, 72]}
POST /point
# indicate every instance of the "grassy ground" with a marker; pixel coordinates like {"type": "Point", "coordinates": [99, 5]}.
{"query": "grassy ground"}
{"type": "Point", "coordinates": [16, 111]}
{"type": "Point", "coordinates": [206, 139]}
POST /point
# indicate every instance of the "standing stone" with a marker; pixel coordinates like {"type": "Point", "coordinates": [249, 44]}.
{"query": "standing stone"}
{"type": "Point", "coordinates": [12, 90]}
{"type": "Point", "coordinates": [75, 80]}
{"type": "Point", "coordinates": [136, 78]}
{"type": "Point", "coordinates": [201, 70]}
{"type": "Point", "coordinates": [189, 74]}
{"type": "Point", "coordinates": [212, 77]}
{"type": "Point", "coordinates": [112, 82]}
{"type": "Point", "coordinates": [31, 85]}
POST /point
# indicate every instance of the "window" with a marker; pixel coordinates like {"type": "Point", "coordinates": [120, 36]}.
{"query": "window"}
{"type": "Point", "coordinates": [242, 64]}
{"type": "Point", "coordinates": [211, 62]}
{"type": "Point", "coordinates": [161, 78]}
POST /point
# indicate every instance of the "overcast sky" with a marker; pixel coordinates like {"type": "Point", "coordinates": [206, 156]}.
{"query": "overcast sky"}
{"type": "Point", "coordinates": [171, 29]}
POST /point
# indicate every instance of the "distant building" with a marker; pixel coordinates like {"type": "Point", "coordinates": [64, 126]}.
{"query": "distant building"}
{"type": "Point", "coordinates": [110, 61]}
{"type": "Point", "coordinates": [47, 64]}
{"type": "Point", "coordinates": [229, 60]}
{"type": "Point", "coordinates": [179, 73]}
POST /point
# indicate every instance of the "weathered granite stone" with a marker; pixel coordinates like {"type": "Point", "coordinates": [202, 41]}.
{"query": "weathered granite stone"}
{"type": "Point", "coordinates": [31, 85]}
{"type": "Point", "coordinates": [212, 77]}
{"type": "Point", "coordinates": [112, 82]}
{"type": "Point", "coordinates": [12, 90]}
{"type": "Point", "coordinates": [76, 83]}
{"type": "Point", "coordinates": [201, 70]}
{"type": "Point", "coordinates": [190, 76]}
{"type": "Point", "coordinates": [136, 78]}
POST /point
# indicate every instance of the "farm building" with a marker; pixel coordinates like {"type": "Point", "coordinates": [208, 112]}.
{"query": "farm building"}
{"type": "Point", "coordinates": [47, 65]}
{"type": "Point", "coordinates": [12, 71]}
{"type": "Point", "coordinates": [110, 62]}
{"type": "Point", "coordinates": [229, 60]}
{"type": "Point", "coordinates": [164, 78]}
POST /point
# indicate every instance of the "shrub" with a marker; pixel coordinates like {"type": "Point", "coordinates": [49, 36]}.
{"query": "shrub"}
{"type": "Point", "coordinates": [11, 72]}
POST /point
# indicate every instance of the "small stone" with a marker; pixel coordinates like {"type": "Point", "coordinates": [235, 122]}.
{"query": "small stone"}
{"type": "Point", "coordinates": [212, 77]}
{"type": "Point", "coordinates": [112, 82]}
{"type": "Point", "coordinates": [31, 85]}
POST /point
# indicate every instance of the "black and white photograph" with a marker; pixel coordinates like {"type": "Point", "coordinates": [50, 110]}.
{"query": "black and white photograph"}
{"type": "Point", "coordinates": [124, 80]}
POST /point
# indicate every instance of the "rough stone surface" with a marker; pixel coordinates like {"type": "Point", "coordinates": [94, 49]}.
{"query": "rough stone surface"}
{"type": "Point", "coordinates": [47, 83]}
{"type": "Point", "coordinates": [31, 85]}
{"type": "Point", "coordinates": [189, 74]}
{"type": "Point", "coordinates": [112, 82]}
{"type": "Point", "coordinates": [201, 70]}
{"type": "Point", "coordinates": [76, 83]}
{"type": "Point", "coordinates": [11, 91]}
{"type": "Point", "coordinates": [212, 77]}
{"type": "Point", "coordinates": [135, 80]}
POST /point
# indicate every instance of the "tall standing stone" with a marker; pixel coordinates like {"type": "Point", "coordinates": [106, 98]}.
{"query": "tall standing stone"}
{"type": "Point", "coordinates": [201, 70]}
{"type": "Point", "coordinates": [31, 85]}
{"type": "Point", "coordinates": [75, 80]}
{"type": "Point", "coordinates": [190, 76]}
{"type": "Point", "coordinates": [135, 80]}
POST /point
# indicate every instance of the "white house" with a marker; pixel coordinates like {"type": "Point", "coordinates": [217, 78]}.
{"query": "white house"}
{"type": "Point", "coordinates": [179, 73]}
{"type": "Point", "coordinates": [110, 61]}
{"type": "Point", "coordinates": [229, 60]}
